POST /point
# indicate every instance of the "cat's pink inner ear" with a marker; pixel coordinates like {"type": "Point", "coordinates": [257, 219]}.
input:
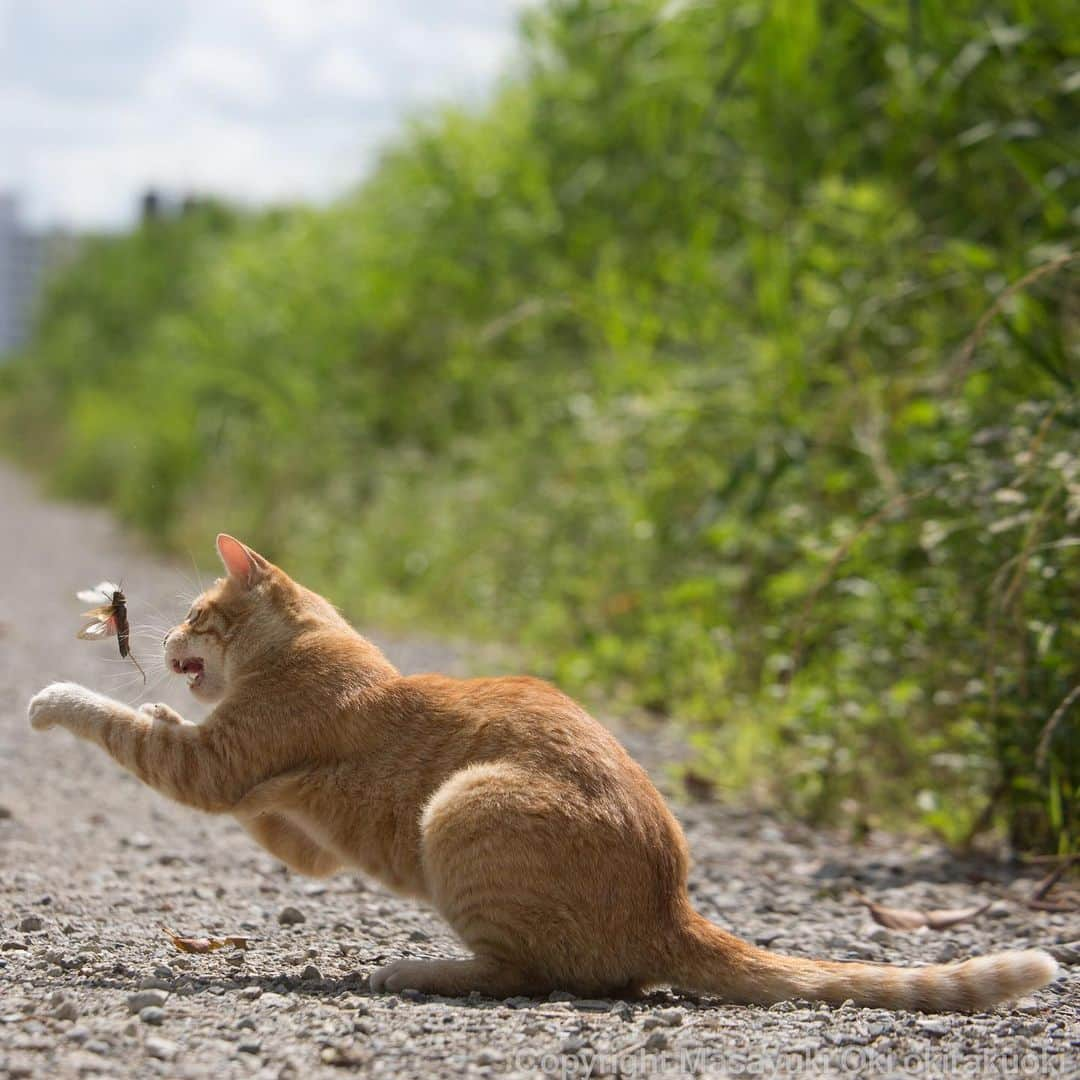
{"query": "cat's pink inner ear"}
{"type": "Point", "coordinates": [242, 563]}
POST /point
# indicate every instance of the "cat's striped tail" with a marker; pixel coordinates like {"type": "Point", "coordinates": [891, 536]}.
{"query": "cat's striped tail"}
{"type": "Point", "coordinates": [712, 961]}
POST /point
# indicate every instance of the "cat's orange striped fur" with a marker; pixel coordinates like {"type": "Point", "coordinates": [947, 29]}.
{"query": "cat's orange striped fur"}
{"type": "Point", "coordinates": [499, 801]}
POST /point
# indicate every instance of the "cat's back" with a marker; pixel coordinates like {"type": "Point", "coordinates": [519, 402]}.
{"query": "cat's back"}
{"type": "Point", "coordinates": [520, 719]}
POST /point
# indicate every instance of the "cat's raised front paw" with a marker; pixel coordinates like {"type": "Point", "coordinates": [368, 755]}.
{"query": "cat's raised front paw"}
{"type": "Point", "coordinates": [56, 702]}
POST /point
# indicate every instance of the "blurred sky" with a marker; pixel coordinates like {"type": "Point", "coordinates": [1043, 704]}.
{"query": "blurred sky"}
{"type": "Point", "coordinates": [256, 99]}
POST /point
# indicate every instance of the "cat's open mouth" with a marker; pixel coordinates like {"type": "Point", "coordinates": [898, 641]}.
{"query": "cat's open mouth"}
{"type": "Point", "coordinates": [194, 669]}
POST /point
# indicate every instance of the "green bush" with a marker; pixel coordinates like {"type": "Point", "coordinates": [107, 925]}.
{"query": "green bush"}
{"type": "Point", "coordinates": [667, 365]}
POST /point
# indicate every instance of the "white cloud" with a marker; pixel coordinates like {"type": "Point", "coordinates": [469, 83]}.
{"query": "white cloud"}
{"type": "Point", "coordinates": [346, 72]}
{"type": "Point", "coordinates": [256, 99]}
{"type": "Point", "coordinates": [305, 21]}
{"type": "Point", "coordinates": [221, 74]}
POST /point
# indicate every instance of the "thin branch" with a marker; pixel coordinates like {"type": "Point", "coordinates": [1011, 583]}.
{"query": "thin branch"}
{"type": "Point", "coordinates": [1042, 890]}
{"type": "Point", "coordinates": [841, 553]}
{"type": "Point", "coordinates": [1047, 735]}
{"type": "Point", "coordinates": [967, 350]}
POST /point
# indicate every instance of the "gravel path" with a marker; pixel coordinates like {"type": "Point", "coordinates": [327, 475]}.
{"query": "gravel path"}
{"type": "Point", "coordinates": [92, 865]}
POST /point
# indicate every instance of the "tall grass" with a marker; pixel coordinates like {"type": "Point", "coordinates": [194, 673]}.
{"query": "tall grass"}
{"type": "Point", "coordinates": [661, 365]}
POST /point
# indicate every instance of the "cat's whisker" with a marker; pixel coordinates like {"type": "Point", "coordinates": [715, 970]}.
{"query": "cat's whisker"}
{"type": "Point", "coordinates": [120, 682]}
{"type": "Point", "coordinates": [117, 688]}
{"type": "Point", "coordinates": [132, 677]}
{"type": "Point", "coordinates": [152, 654]}
{"type": "Point", "coordinates": [156, 612]}
{"type": "Point", "coordinates": [159, 615]}
{"type": "Point", "coordinates": [121, 679]}
{"type": "Point", "coordinates": [198, 575]}
{"type": "Point", "coordinates": [125, 661]}
{"type": "Point", "coordinates": [151, 686]}
{"type": "Point", "coordinates": [194, 583]}
{"type": "Point", "coordinates": [153, 609]}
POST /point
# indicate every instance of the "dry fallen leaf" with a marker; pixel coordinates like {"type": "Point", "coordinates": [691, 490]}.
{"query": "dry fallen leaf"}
{"type": "Point", "coordinates": [912, 919]}
{"type": "Point", "coordinates": [203, 944]}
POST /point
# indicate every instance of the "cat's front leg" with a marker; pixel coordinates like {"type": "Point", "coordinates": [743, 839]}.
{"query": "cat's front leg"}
{"type": "Point", "coordinates": [70, 705]}
{"type": "Point", "coordinates": [185, 761]}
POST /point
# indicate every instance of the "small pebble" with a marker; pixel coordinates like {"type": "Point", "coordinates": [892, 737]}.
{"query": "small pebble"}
{"type": "Point", "coordinates": [311, 974]}
{"type": "Point", "coordinates": [152, 1015]}
{"type": "Point", "coordinates": [146, 999]}
{"type": "Point", "coordinates": [671, 1017]}
{"type": "Point", "coordinates": [592, 1005]}
{"type": "Point", "coordinates": [947, 952]}
{"type": "Point", "coordinates": [66, 1010]}
{"type": "Point", "coordinates": [658, 1040]}
{"type": "Point", "coordinates": [31, 923]}
{"type": "Point", "coordinates": [933, 1027]}
{"type": "Point", "coordinates": [162, 1049]}
{"type": "Point", "coordinates": [290, 916]}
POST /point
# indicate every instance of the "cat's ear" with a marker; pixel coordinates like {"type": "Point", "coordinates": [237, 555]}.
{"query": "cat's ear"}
{"type": "Point", "coordinates": [243, 564]}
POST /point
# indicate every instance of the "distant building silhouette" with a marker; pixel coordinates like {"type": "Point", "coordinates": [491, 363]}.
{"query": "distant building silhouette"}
{"type": "Point", "coordinates": [25, 260]}
{"type": "Point", "coordinates": [150, 208]}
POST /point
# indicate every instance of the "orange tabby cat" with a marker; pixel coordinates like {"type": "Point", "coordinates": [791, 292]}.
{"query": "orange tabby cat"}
{"type": "Point", "coordinates": [499, 801]}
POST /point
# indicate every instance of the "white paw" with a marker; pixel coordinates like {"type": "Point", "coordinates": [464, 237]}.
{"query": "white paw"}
{"type": "Point", "coordinates": [57, 702]}
{"type": "Point", "coordinates": [160, 711]}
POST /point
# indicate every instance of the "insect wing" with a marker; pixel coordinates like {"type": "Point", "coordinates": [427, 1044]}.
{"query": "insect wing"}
{"type": "Point", "coordinates": [99, 594]}
{"type": "Point", "coordinates": [103, 623]}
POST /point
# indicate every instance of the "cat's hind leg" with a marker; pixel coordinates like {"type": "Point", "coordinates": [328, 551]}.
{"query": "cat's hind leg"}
{"type": "Point", "coordinates": [290, 844]}
{"type": "Point", "coordinates": [474, 878]}
{"type": "Point", "coordinates": [453, 978]}
{"type": "Point", "coordinates": [263, 812]}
